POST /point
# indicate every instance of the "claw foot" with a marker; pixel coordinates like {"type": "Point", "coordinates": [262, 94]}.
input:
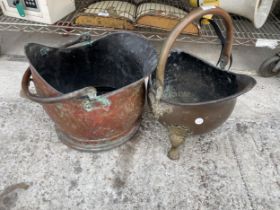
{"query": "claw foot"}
{"type": "Point", "coordinates": [177, 138]}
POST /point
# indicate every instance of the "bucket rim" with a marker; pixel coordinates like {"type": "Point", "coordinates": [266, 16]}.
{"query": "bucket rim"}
{"type": "Point", "coordinates": [249, 86]}
{"type": "Point", "coordinates": [251, 83]}
{"type": "Point", "coordinates": [109, 94]}
{"type": "Point", "coordinates": [88, 43]}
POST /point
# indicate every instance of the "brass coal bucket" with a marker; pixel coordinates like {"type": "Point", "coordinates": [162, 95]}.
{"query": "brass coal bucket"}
{"type": "Point", "coordinates": [94, 92]}
{"type": "Point", "coordinates": [190, 96]}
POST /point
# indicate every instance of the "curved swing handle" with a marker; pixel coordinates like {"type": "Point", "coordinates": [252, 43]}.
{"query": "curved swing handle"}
{"type": "Point", "coordinates": [89, 94]}
{"type": "Point", "coordinates": [85, 92]}
{"type": "Point", "coordinates": [195, 14]}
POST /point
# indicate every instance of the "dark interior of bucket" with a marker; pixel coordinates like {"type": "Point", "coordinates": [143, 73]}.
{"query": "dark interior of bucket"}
{"type": "Point", "coordinates": [191, 80]}
{"type": "Point", "coordinates": [109, 63]}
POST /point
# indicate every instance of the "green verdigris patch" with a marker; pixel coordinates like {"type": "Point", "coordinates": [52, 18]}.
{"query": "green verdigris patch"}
{"type": "Point", "coordinates": [159, 109]}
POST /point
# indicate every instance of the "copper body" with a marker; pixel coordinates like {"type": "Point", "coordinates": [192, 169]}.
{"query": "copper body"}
{"type": "Point", "coordinates": [111, 119]}
{"type": "Point", "coordinates": [194, 117]}
{"type": "Point", "coordinates": [99, 128]}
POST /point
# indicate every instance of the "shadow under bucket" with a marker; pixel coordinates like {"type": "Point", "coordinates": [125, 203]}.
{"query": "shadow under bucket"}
{"type": "Point", "coordinates": [94, 92]}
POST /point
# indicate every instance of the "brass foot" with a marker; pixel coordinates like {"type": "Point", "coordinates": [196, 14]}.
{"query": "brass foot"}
{"type": "Point", "coordinates": [173, 154]}
{"type": "Point", "coordinates": [177, 137]}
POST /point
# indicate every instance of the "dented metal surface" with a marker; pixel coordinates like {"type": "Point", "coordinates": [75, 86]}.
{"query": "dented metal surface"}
{"type": "Point", "coordinates": [159, 109]}
{"type": "Point", "coordinates": [94, 93]}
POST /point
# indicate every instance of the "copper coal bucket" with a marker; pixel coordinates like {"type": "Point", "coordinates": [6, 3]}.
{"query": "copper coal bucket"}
{"type": "Point", "coordinates": [190, 96]}
{"type": "Point", "coordinates": [94, 92]}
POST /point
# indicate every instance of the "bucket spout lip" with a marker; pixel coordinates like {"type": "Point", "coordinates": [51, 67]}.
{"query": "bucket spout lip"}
{"type": "Point", "coordinates": [245, 82]}
{"type": "Point", "coordinates": [146, 53]}
{"type": "Point", "coordinates": [32, 49]}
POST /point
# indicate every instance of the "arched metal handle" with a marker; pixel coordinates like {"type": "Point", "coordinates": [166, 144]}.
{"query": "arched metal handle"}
{"type": "Point", "coordinates": [195, 14]}
{"type": "Point", "coordinates": [88, 92]}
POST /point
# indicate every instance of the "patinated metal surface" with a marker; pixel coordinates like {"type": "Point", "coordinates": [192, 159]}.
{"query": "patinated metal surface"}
{"type": "Point", "coordinates": [198, 119]}
{"type": "Point", "coordinates": [99, 126]}
{"type": "Point", "coordinates": [86, 116]}
{"type": "Point", "coordinates": [106, 123]}
{"type": "Point", "coordinates": [190, 96]}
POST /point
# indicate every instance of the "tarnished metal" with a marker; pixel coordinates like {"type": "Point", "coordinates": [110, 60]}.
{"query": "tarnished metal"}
{"type": "Point", "coordinates": [180, 27]}
{"type": "Point", "coordinates": [190, 96]}
{"type": "Point", "coordinates": [95, 93]}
